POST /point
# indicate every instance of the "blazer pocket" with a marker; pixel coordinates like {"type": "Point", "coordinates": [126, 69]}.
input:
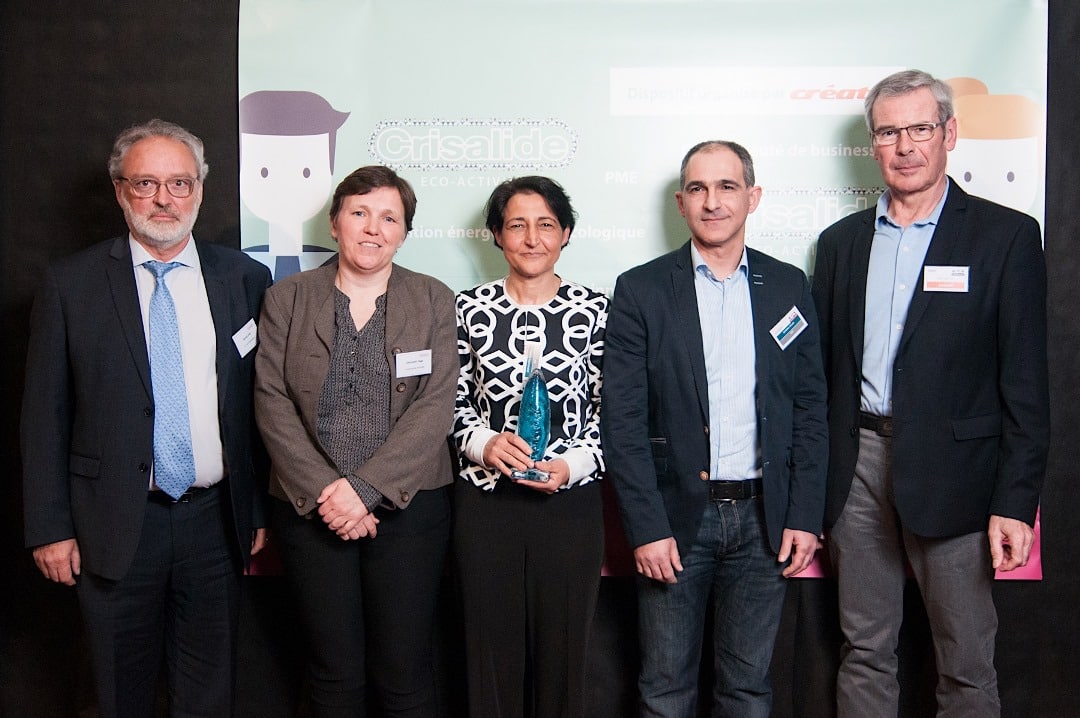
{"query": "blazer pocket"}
{"type": "Point", "coordinates": [659, 447]}
{"type": "Point", "coordinates": [85, 466]}
{"type": "Point", "coordinates": [977, 427]}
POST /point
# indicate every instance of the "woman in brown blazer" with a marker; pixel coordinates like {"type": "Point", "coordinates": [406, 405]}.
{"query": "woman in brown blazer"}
{"type": "Point", "coordinates": [354, 396]}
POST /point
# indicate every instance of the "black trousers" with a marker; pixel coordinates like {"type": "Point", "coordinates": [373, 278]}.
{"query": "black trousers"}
{"type": "Point", "coordinates": [529, 567]}
{"type": "Point", "coordinates": [179, 602]}
{"type": "Point", "coordinates": [368, 606]}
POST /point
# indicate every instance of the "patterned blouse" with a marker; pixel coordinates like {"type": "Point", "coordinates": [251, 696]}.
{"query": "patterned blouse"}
{"type": "Point", "coordinates": [493, 332]}
{"type": "Point", "coordinates": [354, 407]}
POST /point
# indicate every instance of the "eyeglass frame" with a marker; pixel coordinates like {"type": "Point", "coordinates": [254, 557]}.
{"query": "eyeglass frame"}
{"type": "Point", "coordinates": [158, 185]}
{"type": "Point", "coordinates": [874, 134]}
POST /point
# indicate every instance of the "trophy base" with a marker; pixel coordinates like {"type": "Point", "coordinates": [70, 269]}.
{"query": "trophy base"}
{"type": "Point", "coordinates": [531, 475]}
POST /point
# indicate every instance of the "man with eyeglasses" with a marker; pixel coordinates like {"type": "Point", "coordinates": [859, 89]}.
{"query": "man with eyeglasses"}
{"type": "Point", "coordinates": [932, 309]}
{"type": "Point", "coordinates": [141, 479]}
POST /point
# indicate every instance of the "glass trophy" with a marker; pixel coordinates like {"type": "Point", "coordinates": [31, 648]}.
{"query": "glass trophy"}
{"type": "Point", "coordinates": [534, 417]}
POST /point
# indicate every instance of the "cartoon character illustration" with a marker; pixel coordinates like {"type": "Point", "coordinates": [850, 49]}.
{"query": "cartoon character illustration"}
{"type": "Point", "coordinates": [287, 140]}
{"type": "Point", "coordinates": [998, 144]}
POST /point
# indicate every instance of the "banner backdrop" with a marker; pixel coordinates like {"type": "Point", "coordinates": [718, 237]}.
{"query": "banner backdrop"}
{"type": "Point", "coordinates": [606, 96]}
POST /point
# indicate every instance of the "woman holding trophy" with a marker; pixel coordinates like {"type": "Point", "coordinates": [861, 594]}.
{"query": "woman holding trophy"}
{"type": "Point", "coordinates": [528, 532]}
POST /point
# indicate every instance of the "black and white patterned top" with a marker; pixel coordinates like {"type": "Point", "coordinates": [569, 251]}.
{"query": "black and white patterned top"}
{"type": "Point", "coordinates": [493, 332]}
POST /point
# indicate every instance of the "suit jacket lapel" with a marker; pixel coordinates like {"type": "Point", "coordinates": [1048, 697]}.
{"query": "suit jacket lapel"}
{"type": "Point", "coordinates": [948, 235]}
{"type": "Point", "coordinates": [686, 309]}
{"type": "Point", "coordinates": [125, 295]}
{"type": "Point", "coordinates": [221, 309]}
{"type": "Point", "coordinates": [763, 311]}
{"type": "Point", "coordinates": [325, 321]}
{"type": "Point", "coordinates": [859, 269]}
{"type": "Point", "coordinates": [398, 307]}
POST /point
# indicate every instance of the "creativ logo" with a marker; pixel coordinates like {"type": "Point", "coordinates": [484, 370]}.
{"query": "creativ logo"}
{"type": "Point", "coordinates": [471, 143]}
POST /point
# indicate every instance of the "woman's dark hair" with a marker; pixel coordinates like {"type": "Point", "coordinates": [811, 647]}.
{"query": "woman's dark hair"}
{"type": "Point", "coordinates": [372, 177]}
{"type": "Point", "coordinates": [549, 189]}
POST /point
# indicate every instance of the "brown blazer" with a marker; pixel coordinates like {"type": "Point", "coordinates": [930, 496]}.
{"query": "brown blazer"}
{"type": "Point", "coordinates": [296, 336]}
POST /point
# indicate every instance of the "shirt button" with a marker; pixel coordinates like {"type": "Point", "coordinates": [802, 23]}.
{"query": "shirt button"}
{"type": "Point", "coordinates": [704, 475]}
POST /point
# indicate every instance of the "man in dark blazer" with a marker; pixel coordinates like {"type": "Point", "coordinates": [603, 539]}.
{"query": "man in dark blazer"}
{"type": "Point", "coordinates": [715, 438]}
{"type": "Point", "coordinates": [153, 525]}
{"type": "Point", "coordinates": [933, 314]}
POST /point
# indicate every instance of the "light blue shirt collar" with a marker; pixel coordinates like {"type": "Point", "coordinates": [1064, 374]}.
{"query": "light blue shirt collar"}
{"type": "Point", "coordinates": [702, 267]}
{"type": "Point", "coordinates": [882, 214]}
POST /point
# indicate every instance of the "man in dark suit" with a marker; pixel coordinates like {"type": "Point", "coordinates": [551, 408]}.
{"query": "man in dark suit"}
{"type": "Point", "coordinates": [715, 437]}
{"type": "Point", "coordinates": [933, 314]}
{"type": "Point", "coordinates": [139, 471]}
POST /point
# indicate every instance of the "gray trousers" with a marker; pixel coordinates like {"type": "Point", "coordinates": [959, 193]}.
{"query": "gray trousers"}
{"type": "Point", "coordinates": [869, 546]}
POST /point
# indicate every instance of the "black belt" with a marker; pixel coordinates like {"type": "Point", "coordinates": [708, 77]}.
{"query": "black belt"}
{"type": "Point", "coordinates": [880, 425]}
{"type": "Point", "coordinates": [734, 490]}
{"type": "Point", "coordinates": [195, 492]}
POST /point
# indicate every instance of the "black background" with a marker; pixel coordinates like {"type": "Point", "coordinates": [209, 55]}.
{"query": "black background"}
{"type": "Point", "coordinates": [74, 74]}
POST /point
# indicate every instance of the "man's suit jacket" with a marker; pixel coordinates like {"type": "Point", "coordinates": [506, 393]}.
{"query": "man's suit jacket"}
{"type": "Point", "coordinates": [88, 407]}
{"type": "Point", "coordinates": [656, 404]}
{"type": "Point", "coordinates": [970, 391]}
{"type": "Point", "coordinates": [298, 326]}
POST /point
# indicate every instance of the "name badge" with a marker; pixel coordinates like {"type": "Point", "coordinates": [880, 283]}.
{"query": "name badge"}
{"type": "Point", "coordinates": [792, 325]}
{"type": "Point", "coordinates": [415, 363]}
{"type": "Point", "coordinates": [945, 279]}
{"type": "Point", "coordinates": [246, 338]}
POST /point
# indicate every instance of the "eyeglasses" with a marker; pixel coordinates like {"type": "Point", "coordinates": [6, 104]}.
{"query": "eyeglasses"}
{"type": "Point", "coordinates": [918, 133]}
{"type": "Point", "coordinates": [145, 187]}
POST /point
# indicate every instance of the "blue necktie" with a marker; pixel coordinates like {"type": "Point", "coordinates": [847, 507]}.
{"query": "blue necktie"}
{"type": "Point", "coordinates": [174, 463]}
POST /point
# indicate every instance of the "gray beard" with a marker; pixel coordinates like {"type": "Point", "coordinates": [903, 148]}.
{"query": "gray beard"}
{"type": "Point", "coordinates": [158, 237]}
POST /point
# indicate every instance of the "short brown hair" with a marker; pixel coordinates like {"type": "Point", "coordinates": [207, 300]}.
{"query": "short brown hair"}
{"type": "Point", "coordinates": [371, 177]}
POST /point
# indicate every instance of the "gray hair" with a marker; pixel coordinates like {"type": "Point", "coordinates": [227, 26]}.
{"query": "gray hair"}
{"type": "Point", "coordinates": [707, 146]}
{"type": "Point", "coordinates": [905, 81]}
{"type": "Point", "coordinates": [156, 128]}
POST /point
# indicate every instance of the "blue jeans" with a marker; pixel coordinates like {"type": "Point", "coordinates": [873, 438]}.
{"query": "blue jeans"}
{"type": "Point", "coordinates": [731, 565]}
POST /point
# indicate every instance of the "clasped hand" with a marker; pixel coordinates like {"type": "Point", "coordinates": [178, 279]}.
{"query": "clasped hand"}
{"type": "Point", "coordinates": [344, 513]}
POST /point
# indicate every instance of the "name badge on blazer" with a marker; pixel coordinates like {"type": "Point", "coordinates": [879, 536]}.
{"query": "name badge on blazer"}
{"type": "Point", "coordinates": [246, 338]}
{"type": "Point", "coordinates": [412, 363]}
{"type": "Point", "coordinates": [792, 325]}
{"type": "Point", "coordinates": [945, 279]}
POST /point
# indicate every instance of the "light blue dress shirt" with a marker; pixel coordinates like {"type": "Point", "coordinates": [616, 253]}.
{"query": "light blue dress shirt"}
{"type": "Point", "coordinates": [727, 333]}
{"type": "Point", "coordinates": [896, 259]}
